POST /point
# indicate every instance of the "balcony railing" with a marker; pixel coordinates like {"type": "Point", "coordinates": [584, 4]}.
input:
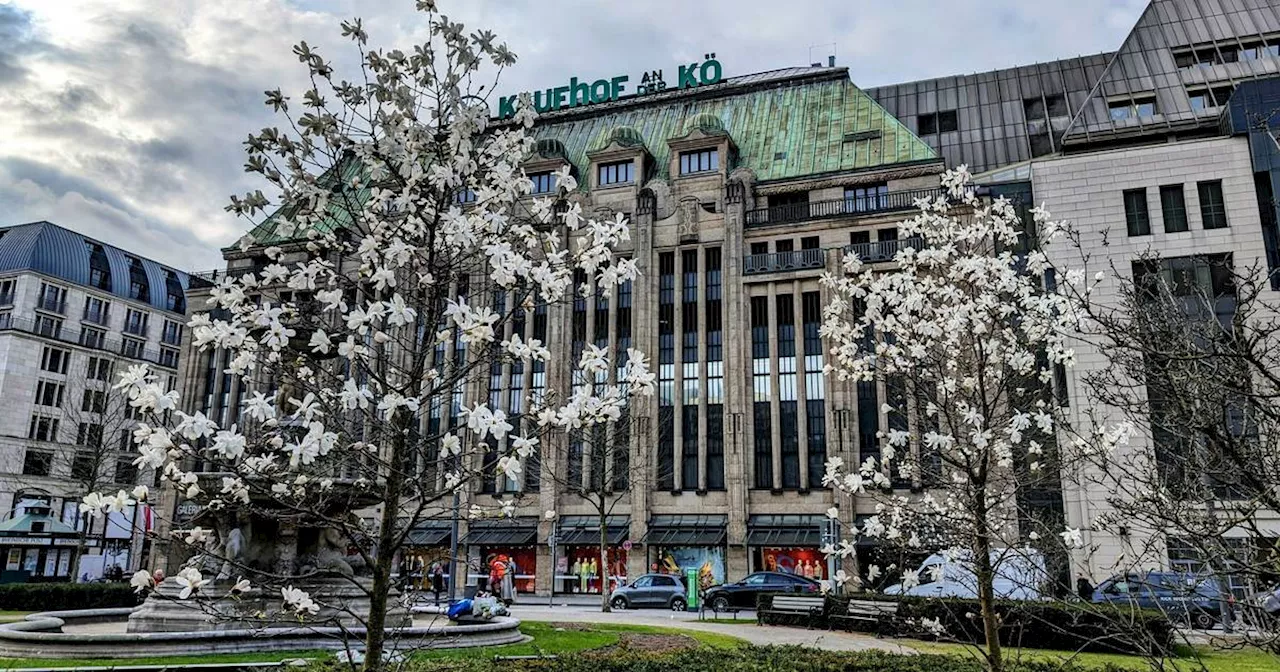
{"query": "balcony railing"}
{"type": "Point", "coordinates": [65, 335]}
{"type": "Point", "coordinates": [51, 304]}
{"type": "Point", "coordinates": [884, 250]}
{"type": "Point", "coordinates": [782, 261]}
{"type": "Point", "coordinates": [842, 207]}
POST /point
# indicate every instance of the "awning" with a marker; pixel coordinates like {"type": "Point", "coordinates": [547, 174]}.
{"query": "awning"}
{"type": "Point", "coordinates": [785, 530]}
{"type": "Point", "coordinates": [585, 530]}
{"type": "Point", "coordinates": [433, 533]}
{"type": "Point", "coordinates": [686, 530]}
{"type": "Point", "coordinates": [506, 532]}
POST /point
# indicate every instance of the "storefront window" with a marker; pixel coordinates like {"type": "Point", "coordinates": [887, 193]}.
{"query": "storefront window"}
{"type": "Point", "coordinates": [494, 563]}
{"type": "Point", "coordinates": [578, 569]}
{"type": "Point", "coordinates": [801, 561]}
{"type": "Point", "coordinates": [707, 560]}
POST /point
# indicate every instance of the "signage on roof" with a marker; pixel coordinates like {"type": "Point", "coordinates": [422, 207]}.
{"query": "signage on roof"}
{"type": "Point", "coordinates": [578, 93]}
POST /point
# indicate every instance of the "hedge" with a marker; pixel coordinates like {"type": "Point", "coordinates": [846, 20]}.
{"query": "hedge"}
{"type": "Point", "coordinates": [745, 659]}
{"type": "Point", "coordinates": [59, 596]}
{"type": "Point", "coordinates": [1041, 625]}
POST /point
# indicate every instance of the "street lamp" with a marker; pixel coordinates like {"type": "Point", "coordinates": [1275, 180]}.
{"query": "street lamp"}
{"type": "Point", "coordinates": [831, 535]}
{"type": "Point", "coordinates": [551, 589]}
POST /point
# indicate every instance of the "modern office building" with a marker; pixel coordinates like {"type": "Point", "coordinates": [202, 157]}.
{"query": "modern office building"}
{"type": "Point", "coordinates": [741, 192]}
{"type": "Point", "coordinates": [74, 312]}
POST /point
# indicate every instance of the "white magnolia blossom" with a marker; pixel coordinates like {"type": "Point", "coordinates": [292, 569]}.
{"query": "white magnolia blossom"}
{"type": "Point", "coordinates": [190, 581]}
{"type": "Point", "coordinates": [142, 581]}
{"type": "Point", "coordinates": [299, 601]}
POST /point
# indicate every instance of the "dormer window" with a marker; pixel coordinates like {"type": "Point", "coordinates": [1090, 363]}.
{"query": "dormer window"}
{"type": "Point", "coordinates": [543, 182]}
{"type": "Point", "coordinates": [99, 268]}
{"type": "Point", "coordinates": [617, 172]}
{"type": "Point", "coordinates": [176, 298]}
{"type": "Point", "coordinates": [699, 161]}
{"type": "Point", "coordinates": [139, 286]}
{"type": "Point", "coordinates": [465, 196]}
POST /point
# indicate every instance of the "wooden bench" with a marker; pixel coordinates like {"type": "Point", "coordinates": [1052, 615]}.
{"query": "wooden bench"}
{"type": "Point", "coordinates": [811, 607]}
{"type": "Point", "coordinates": [874, 611]}
{"type": "Point", "coordinates": [716, 612]}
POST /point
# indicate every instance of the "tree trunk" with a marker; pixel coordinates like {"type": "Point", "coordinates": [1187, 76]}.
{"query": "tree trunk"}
{"type": "Point", "coordinates": [604, 564]}
{"type": "Point", "coordinates": [986, 589]}
{"type": "Point", "coordinates": [375, 637]}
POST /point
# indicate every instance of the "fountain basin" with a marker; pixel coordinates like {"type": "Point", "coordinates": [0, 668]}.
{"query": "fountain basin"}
{"type": "Point", "coordinates": [101, 633]}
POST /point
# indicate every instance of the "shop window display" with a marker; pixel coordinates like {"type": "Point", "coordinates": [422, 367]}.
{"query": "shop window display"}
{"type": "Point", "coordinates": [708, 560]}
{"type": "Point", "coordinates": [578, 569]}
{"type": "Point", "coordinates": [803, 561]}
{"type": "Point", "coordinates": [496, 563]}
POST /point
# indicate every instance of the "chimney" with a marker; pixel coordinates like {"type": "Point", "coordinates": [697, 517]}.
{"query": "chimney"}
{"type": "Point", "coordinates": [815, 65]}
{"type": "Point", "coordinates": [831, 61]}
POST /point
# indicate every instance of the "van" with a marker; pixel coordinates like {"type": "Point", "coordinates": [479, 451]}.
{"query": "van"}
{"type": "Point", "coordinates": [1020, 574]}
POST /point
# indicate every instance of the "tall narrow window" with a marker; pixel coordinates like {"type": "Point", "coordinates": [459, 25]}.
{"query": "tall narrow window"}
{"type": "Point", "coordinates": [814, 388]}
{"type": "Point", "coordinates": [715, 372]}
{"type": "Point", "coordinates": [1213, 210]}
{"type": "Point", "coordinates": [761, 414]}
{"type": "Point", "coordinates": [788, 423]}
{"type": "Point", "coordinates": [139, 286]}
{"type": "Point", "coordinates": [1136, 218]}
{"type": "Point", "coordinates": [537, 390]}
{"type": "Point", "coordinates": [578, 344]}
{"type": "Point", "coordinates": [1173, 208]}
{"type": "Point", "coordinates": [622, 436]}
{"type": "Point", "coordinates": [868, 405]}
{"type": "Point", "coordinates": [689, 369]}
{"type": "Point", "coordinates": [666, 369]}
{"type": "Point", "coordinates": [99, 267]}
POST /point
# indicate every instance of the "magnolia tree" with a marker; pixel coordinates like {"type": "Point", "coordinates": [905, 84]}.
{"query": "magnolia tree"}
{"type": "Point", "coordinates": [402, 215]}
{"type": "Point", "coordinates": [965, 339]}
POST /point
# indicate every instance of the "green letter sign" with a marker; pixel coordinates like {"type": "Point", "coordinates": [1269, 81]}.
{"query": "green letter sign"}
{"type": "Point", "coordinates": [578, 92]}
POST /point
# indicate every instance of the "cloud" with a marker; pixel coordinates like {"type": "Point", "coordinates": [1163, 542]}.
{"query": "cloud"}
{"type": "Point", "coordinates": [124, 118]}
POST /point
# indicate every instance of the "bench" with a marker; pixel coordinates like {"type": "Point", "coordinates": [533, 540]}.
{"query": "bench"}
{"type": "Point", "coordinates": [716, 612]}
{"type": "Point", "coordinates": [874, 611]}
{"type": "Point", "coordinates": [782, 605]}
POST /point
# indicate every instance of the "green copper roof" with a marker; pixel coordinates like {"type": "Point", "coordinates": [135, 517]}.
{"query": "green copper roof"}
{"type": "Point", "coordinates": [339, 217]}
{"type": "Point", "coordinates": [23, 524]}
{"type": "Point", "coordinates": [783, 127]}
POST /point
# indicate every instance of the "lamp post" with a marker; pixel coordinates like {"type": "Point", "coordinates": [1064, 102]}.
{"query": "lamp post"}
{"type": "Point", "coordinates": [551, 589]}
{"type": "Point", "coordinates": [830, 535]}
{"type": "Point", "coordinates": [453, 551]}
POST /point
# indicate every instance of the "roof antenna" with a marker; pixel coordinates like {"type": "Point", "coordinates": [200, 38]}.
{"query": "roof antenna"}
{"type": "Point", "coordinates": [831, 56]}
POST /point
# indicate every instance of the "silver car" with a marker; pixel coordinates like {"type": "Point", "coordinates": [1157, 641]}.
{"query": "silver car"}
{"type": "Point", "coordinates": [651, 590]}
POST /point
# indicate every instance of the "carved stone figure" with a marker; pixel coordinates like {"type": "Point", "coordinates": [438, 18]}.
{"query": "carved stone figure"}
{"type": "Point", "coordinates": [688, 216]}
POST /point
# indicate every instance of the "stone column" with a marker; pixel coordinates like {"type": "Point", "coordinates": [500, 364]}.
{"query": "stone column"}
{"type": "Point", "coordinates": [736, 341]}
{"type": "Point", "coordinates": [644, 337]}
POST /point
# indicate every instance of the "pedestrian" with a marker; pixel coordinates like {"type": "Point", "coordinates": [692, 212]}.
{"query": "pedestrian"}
{"type": "Point", "coordinates": [437, 581]}
{"type": "Point", "coordinates": [508, 582]}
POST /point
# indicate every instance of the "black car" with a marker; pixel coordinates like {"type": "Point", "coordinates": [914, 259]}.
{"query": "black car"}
{"type": "Point", "coordinates": [743, 593]}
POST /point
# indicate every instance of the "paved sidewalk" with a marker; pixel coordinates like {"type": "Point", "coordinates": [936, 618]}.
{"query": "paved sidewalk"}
{"type": "Point", "coordinates": [745, 629]}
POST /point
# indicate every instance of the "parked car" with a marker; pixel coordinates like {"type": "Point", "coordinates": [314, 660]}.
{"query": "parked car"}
{"type": "Point", "coordinates": [1020, 574]}
{"type": "Point", "coordinates": [651, 590]}
{"type": "Point", "coordinates": [743, 593]}
{"type": "Point", "coordinates": [1192, 599]}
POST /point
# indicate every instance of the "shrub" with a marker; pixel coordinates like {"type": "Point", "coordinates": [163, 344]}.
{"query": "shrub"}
{"type": "Point", "coordinates": [745, 659]}
{"type": "Point", "coordinates": [60, 596]}
{"type": "Point", "coordinates": [1041, 625]}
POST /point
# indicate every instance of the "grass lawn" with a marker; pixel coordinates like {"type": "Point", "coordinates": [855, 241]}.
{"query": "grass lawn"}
{"type": "Point", "coordinates": [547, 640]}
{"type": "Point", "coordinates": [1247, 660]}
{"type": "Point", "coordinates": [11, 616]}
{"type": "Point", "coordinates": [265, 657]}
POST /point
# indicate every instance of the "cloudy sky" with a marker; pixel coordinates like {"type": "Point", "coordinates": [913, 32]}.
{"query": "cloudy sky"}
{"type": "Point", "coordinates": [123, 119]}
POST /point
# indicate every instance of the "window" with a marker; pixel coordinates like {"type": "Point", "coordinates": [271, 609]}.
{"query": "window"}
{"type": "Point", "coordinates": [169, 357]}
{"type": "Point", "coordinates": [52, 298]}
{"type": "Point", "coordinates": [1132, 108]}
{"type": "Point", "coordinates": [135, 322]}
{"type": "Point", "coordinates": [1033, 108]}
{"type": "Point", "coordinates": [96, 310]}
{"type": "Point", "coordinates": [938, 122]}
{"type": "Point", "coordinates": [99, 369]}
{"type": "Point", "coordinates": [54, 360]}
{"type": "Point", "coordinates": [1213, 211]}
{"type": "Point", "coordinates": [1203, 99]}
{"type": "Point", "coordinates": [94, 401]}
{"type": "Point", "coordinates": [1173, 207]}
{"type": "Point", "coordinates": [171, 333]}
{"type": "Point", "coordinates": [126, 471]}
{"type": "Point", "coordinates": [48, 326]}
{"type": "Point", "coordinates": [6, 319]}
{"type": "Point", "coordinates": [93, 338]}
{"type": "Point", "coordinates": [83, 467]}
{"type": "Point", "coordinates": [1057, 105]}
{"type": "Point", "coordinates": [89, 434]}
{"type": "Point", "coordinates": [701, 161]}
{"type": "Point", "coordinates": [132, 347]}
{"type": "Point", "coordinates": [618, 172]}
{"type": "Point", "coordinates": [139, 286]}
{"type": "Point", "coordinates": [1207, 55]}
{"type": "Point", "coordinates": [866, 198]}
{"type": "Point", "coordinates": [543, 183]}
{"type": "Point", "coordinates": [176, 299]}
{"type": "Point", "coordinates": [42, 428]}
{"type": "Point", "coordinates": [1136, 217]}
{"type": "Point", "coordinates": [49, 393]}
{"type": "Point", "coordinates": [99, 267]}
{"type": "Point", "coordinates": [6, 292]}
{"type": "Point", "coordinates": [37, 462]}
{"type": "Point", "coordinates": [464, 196]}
